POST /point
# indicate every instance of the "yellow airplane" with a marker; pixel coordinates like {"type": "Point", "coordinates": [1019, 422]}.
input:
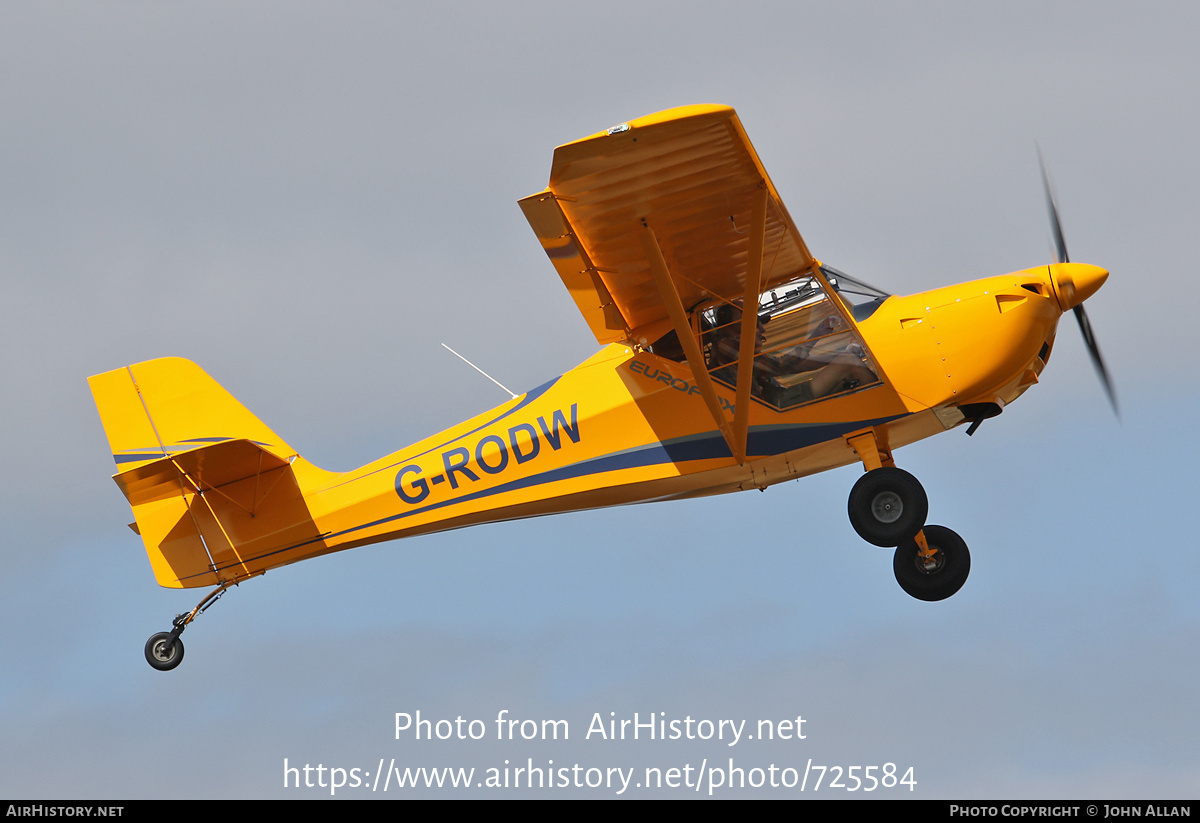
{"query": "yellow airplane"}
{"type": "Point", "coordinates": [664, 230]}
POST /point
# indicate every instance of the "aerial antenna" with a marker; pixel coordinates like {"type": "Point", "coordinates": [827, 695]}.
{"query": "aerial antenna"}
{"type": "Point", "coordinates": [481, 371]}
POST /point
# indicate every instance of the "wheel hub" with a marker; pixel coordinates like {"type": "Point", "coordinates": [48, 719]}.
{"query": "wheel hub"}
{"type": "Point", "coordinates": [887, 507]}
{"type": "Point", "coordinates": [931, 563]}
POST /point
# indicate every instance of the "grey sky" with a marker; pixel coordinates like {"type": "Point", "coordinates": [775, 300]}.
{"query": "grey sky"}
{"type": "Point", "coordinates": [308, 198]}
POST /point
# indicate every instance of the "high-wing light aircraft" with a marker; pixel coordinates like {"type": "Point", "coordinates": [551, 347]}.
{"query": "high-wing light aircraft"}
{"type": "Point", "coordinates": [678, 251]}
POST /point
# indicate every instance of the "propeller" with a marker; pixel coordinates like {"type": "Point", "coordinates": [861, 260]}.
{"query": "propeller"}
{"type": "Point", "coordinates": [1085, 325]}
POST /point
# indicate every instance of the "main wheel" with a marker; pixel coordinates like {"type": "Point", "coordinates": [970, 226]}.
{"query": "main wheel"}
{"type": "Point", "coordinates": [937, 577]}
{"type": "Point", "coordinates": [887, 506]}
{"type": "Point", "coordinates": [157, 654]}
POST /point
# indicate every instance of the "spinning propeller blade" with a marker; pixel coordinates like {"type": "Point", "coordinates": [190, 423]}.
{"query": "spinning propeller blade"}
{"type": "Point", "coordinates": [1085, 325]}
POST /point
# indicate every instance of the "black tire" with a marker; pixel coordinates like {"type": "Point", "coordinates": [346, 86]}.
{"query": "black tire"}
{"type": "Point", "coordinates": [887, 506]}
{"type": "Point", "coordinates": [159, 659]}
{"type": "Point", "coordinates": [937, 579]}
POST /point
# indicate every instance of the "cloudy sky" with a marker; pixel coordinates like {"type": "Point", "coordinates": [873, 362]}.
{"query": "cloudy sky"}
{"type": "Point", "coordinates": [308, 198]}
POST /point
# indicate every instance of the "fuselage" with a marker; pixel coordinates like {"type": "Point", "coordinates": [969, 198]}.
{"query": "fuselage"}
{"type": "Point", "coordinates": [630, 426]}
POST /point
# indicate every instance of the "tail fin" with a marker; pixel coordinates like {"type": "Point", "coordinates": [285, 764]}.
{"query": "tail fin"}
{"type": "Point", "coordinates": [213, 490]}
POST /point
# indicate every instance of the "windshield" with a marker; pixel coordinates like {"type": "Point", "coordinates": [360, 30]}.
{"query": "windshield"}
{"type": "Point", "coordinates": [861, 299]}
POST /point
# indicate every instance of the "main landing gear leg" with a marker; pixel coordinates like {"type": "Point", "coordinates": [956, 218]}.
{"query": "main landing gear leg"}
{"type": "Point", "coordinates": [164, 650]}
{"type": "Point", "coordinates": [888, 508]}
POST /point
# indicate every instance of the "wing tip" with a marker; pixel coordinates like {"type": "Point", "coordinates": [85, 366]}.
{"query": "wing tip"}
{"type": "Point", "coordinates": [698, 112]}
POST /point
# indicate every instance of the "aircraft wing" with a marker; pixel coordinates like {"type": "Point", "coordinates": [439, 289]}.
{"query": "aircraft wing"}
{"type": "Point", "coordinates": [691, 177]}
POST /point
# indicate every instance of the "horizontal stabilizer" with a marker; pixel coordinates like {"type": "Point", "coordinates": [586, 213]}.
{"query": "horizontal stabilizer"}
{"type": "Point", "coordinates": [199, 470]}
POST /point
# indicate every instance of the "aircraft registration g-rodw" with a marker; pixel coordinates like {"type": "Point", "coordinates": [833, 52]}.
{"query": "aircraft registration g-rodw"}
{"type": "Point", "coordinates": [664, 230]}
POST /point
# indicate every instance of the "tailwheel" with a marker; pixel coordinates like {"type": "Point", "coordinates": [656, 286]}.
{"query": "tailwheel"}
{"type": "Point", "coordinates": [936, 572]}
{"type": "Point", "coordinates": [164, 651]}
{"type": "Point", "coordinates": [887, 506]}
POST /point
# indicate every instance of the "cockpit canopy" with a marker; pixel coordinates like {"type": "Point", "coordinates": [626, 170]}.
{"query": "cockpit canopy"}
{"type": "Point", "coordinates": [803, 349]}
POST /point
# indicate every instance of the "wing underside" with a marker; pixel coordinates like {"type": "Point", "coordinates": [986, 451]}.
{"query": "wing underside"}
{"type": "Point", "coordinates": [690, 178]}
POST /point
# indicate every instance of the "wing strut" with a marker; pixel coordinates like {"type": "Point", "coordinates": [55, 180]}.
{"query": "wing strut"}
{"type": "Point", "coordinates": [746, 344]}
{"type": "Point", "coordinates": [687, 339]}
